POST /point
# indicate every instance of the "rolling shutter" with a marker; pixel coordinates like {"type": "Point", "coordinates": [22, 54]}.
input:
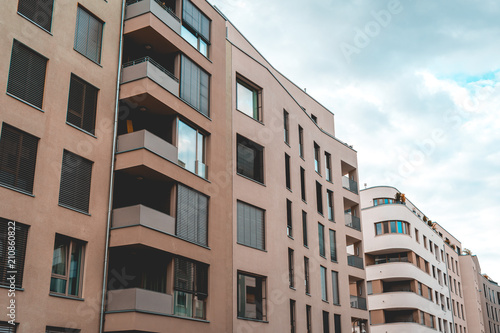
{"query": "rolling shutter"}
{"type": "Point", "coordinates": [88, 35]}
{"type": "Point", "coordinates": [18, 152]}
{"type": "Point", "coordinates": [27, 74]}
{"type": "Point", "coordinates": [250, 226]}
{"type": "Point", "coordinates": [194, 86]}
{"type": "Point", "coordinates": [192, 215]}
{"type": "Point", "coordinates": [21, 237]}
{"type": "Point", "coordinates": [7, 328]}
{"type": "Point", "coordinates": [82, 104]}
{"type": "Point", "coordinates": [38, 11]}
{"type": "Point", "coordinates": [76, 176]}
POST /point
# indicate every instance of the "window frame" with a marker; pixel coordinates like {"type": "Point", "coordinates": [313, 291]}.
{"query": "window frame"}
{"type": "Point", "coordinates": [98, 42]}
{"type": "Point", "coordinates": [40, 3]}
{"type": "Point", "coordinates": [263, 227]}
{"type": "Point", "coordinates": [301, 141]}
{"type": "Point", "coordinates": [317, 159]}
{"type": "Point", "coordinates": [330, 205]}
{"type": "Point", "coordinates": [328, 167]}
{"type": "Point", "coordinates": [324, 287]}
{"type": "Point", "coordinates": [86, 86]}
{"type": "Point", "coordinates": [307, 285]}
{"type": "Point", "coordinates": [258, 161]}
{"type": "Point", "coordinates": [305, 240]}
{"type": "Point", "coordinates": [262, 280]}
{"type": "Point", "coordinates": [286, 126]}
{"type": "Point", "coordinates": [200, 171]}
{"type": "Point", "coordinates": [321, 238]}
{"type": "Point", "coordinates": [291, 269]}
{"type": "Point", "coordinates": [257, 99]}
{"type": "Point", "coordinates": [288, 178]}
{"type": "Point", "coordinates": [73, 175]}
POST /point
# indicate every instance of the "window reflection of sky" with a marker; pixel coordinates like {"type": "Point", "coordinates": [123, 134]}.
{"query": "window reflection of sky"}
{"type": "Point", "coordinates": [187, 146]}
{"type": "Point", "coordinates": [244, 100]}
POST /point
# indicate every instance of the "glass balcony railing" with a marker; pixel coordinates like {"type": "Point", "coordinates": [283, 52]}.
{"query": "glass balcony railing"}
{"type": "Point", "coordinates": [355, 261]}
{"type": "Point", "coordinates": [353, 221]}
{"type": "Point", "coordinates": [349, 184]}
{"type": "Point", "coordinates": [358, 302]}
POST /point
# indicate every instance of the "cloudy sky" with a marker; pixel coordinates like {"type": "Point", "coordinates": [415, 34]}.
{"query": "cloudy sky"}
{"type": "Point", "coordinates": [414, 86]}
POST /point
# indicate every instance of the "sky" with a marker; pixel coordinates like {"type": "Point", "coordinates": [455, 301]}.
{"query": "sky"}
{"type": "Point", "coordinates": [415, 88]}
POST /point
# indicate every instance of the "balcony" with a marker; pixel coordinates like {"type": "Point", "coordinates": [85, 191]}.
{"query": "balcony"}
{"type": "Point", "coordinates": [353, 221]}
{"type": "Point", "coordinates": [157, 8]}
{"type": "Point", "coordinates": [358, 302]}
{"type": "Point", "coordinates": [146, 67]}
{"type": "Point", "coordinates": [144, 139]}
{"type": "Point", "coordinates": [144, 216]}
{"type": "Point", "coordinates": [355, 261]}
{"type": "Point", "coordinates": [350, 184]}
{"type": "Point", "coordinates": [139, 300]}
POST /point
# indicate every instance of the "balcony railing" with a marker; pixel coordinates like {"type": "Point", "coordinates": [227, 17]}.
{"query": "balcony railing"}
{"type": "Point", "coordinates": [140, 299]}
{"type": "Point", "coordinates": [358, 302]}
{"type": "Point", "coordinates": [147, 67]}
{"type": "Point", "coordinates": [353, 221]}
{"type": "Point", "coordinates": [145, 216]}
{"type": "Point", "coordinates": [355, 261]}
{"type": "Point", "coordinates": [157, 8]}
{"type": "Point", "coordinates": [145, 139]}
{"type": "Point", "coordinates": [350, 184]}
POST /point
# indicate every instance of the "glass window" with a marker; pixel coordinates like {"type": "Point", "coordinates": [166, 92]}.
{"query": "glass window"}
{"type": "Point", "coordinates": [324, 294]}
{"type": "Point", "coordinates": [301, 142]}
{"type": "Point", "coordinates": [393, 226]}
{"type": "Point", "coordinates": [335, 288]}
{"type": "Point", "coordinates": [191, 149]}
{"type": "Point", "coordinates": [378, 228]}
{"type": "Point", "coordinates": [316, 158]}
{"type": "Point", "coordinates": [329, 198]}
{"type": "Point", "coordinates": [333, 245]}
{"type": "Point", "coordinates": [319, 198]}
{"type": "Point", "coordinates": [195, 27]}
{"type": "Point", "coordinates": [194, 86]}
{"type": "Point", "coordinates": [287, 172]}
{"type": "Point", "coordinates": [400, 227]}
{"type": "Point", "coordinates": [251, 229]}
{"type": "Point", "coordinates": [306, 274]}
{"type": "Point", "coordinates": [76, 174]}
{"type": "Point", "coordinates": [192, 215]}
{"type": "Point", "coordinates": [304, 228]}
{"type": "Point", "coordinates": [250, 159]}
{"type": "Point", "coordinates": [291, 274]}
{"type": "Point", "coordinates": [286, 126]}
{"type": "Point", "coordinates": [6, 264]}
{"type": "Point", "coordinates": [248, 99]}
{"type": "Point", "coordinates": [37, 11]}
{"type": "Point", "coordinates": [321, 236]}
{"type": "Point", "coordinates": [190, 288]}
{"type": "Point", "coordinates": [82, 104]}
{"type": "Point", "coordinates": [251, 297]}
{"type": "Point", "coordinates": [328, 167]}
{"type": "Point", "coordinates": [292, 316]}
{"type": "Point", "coordinates": [88, 35]}
{"type": "Point", "coordinates": [67, 266]}
{"type": "Point", "coordinates": [303, 184]}
{"type": "Point", "coordinates": [308, 319]}
{"type": "Point", "coordinates": [289, 226]}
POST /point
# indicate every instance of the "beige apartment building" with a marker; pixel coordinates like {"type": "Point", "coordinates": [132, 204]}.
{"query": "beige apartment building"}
{"type": "Point", "coordinates": [163, 176]}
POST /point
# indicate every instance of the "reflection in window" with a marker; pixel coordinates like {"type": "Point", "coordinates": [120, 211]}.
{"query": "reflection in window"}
{"type": "Point", "coordinates": [191, 149]}
{"type": "Point", "coordinates": [250, 159]}
{"type": "Point", "coordinates": [393, 227]}
{"type": "Point", "coordinates": [66, 266]}
{"type": "Point", "coordinates": [251, 297]}
{"type": "Point", "coordinates": [248, 99]}
{"type": "Point", "coordinates": [195, 27]}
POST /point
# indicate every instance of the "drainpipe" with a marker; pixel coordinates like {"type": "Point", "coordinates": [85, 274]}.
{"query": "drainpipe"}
{"type": "Point", "coordinates": [111, 182]}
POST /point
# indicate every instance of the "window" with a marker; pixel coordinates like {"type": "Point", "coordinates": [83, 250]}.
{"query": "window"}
{"type": "Point", "coordinates": [383, 201]}
{"type": "Point", "coordinates": [82, 104]}
{"type": "Point", "coordinates": [37, 11]}
{"type": "Point", "coordinates": [5, 327]}
{"type": "Point", "coordinates": [308, 319]}
{"type": "Point", "coordinates": [326, 322]}
{"type": "Point", "coordinates": [301, 142]}
{"type": "Point", "coordinates": [18, 151]}
{"type": "Point", "coordinates": [429, 293]}
{"type": "Point", "coordinates": [306, 275]}
{"type": "Point", "coordinates": [190, 288]}
{"type": "Point", "coordinates": [250, 159]}
{"type": "Point", "coordinates": [292, 316]}
{"type": "Point", "coordinates": [76, 175]}
{"type": "Point", "coordinates": [316, 158]}
{"type": "Point", "coordinates": [289, 230]}
{"type": "Point", "coordinates": [251, 228]}
{"type": "Point", "coordinates": [333, 245]}
{"type": "Point", "coordinates": [291, 269]}
{"type": "Point", "coordinates": [195, 27]}
{"type": "Point", "coordinates": [191, 149]}
{"type": "Point", "coordinates": [88, 35]}
{"type": "Point", "coordinates": [392, 257]}
{"type": "Point", "coordinates": [329, 199]}
{"type": "Point", "coordinates": [417, 237]}
{"type": "Point", "coordinates": [287, 172]}
{"type": "Point", "coordinates": [194, 86]}
{"type": "Point", "coordinates": [393, 227]}
{"type": "Point", "coordinates": [27, 74]}
{"type": "Point", "coordinates": [52, 329]}
{"type": "Point", "coordinates": [303, 184]}
{"type": "Point", "coordinates": [304, 228]}
{"type": "Point", "coordinates": [248, 99]}
{"type": "Point", "coordinates": [422, 318]}
{"type": "Point", "coordinates": [369, 288]}
{"type": "Point", "coordinates": [67, 266]}
{"type": "Point", "coordinates": [335, 288]}
{"type": "Point", "coordinates": [337, 322]}
{"type": "Point", "coordinates": [319, 198]}
{"type": "Point", "coordinates": [16, 257]}
{"type": "Point", "coordinates": [431, 318]}
{"type": "Point", "coordinates": [251, 296]}
{"type": "Point", "coordinates": [324, 293]}
{"type": "Point", "coordinates": [286, 126]}
{"type": "Point", "coordinates": [328, 167]}
{"type": "Point", "coordinates": [314, 118]}
{"type": "Point", "coordinates": [425, 242]}
{"type": "Point", "coordinates": [192, 215]}
{"type": "Point", "coordinates": [321, 236]}
{"type": "Point", "coordinates": [419, 285]}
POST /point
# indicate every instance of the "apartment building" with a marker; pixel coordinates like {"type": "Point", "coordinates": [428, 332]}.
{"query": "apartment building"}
{"type": "Point", "coordinates": [482, 297]}
{"type": "Point", "coordinates": [233, 207]}
{"type": "Point", "coordinates": [59, 65]}
{"type": "Point", "coordinates": [406, 267]}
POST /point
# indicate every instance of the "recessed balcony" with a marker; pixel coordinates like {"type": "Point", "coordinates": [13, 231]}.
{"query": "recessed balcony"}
{"type": "Point", "coordinates": [355, 261]}
{"type": "Point", "coordinates": [138, 299]}
{"type": "Point", "coordinates": [350, 184]}
{"type": "Point", "coordinates": [144, 216]}
{"type": "Point", "coordinates": [163, 12]}
{"type": "Point", "coordinates": [352, 221]}
{"type": "Point", "coordinates": [144, 139]}
{"type": "Point", "coordinates": [358, 302]}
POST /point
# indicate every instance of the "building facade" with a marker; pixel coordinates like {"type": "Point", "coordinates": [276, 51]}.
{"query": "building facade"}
{"type": "Point", "coordinates": [406, 266]}
{"type": "Point", "coordinates": [179, 181]}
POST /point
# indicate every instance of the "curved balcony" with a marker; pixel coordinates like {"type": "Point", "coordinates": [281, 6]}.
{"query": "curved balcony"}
{"type": "Point", "coordinates": [404, 300]}
{"type": "Point", "coordinates": [401, 327]}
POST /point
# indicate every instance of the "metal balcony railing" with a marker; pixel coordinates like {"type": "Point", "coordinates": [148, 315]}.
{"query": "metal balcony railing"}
{"type": "Point", "coordinates": [152, 62]}
{"type": "Point", "coordinates": [350, 184]}
{"type": "Point", "coordinates": [355, 261]}
{"type": "Point", "coordinates": [167, 9]}
{"type": "Point", "coordinates": [353, 221]}
{"type": "Point", "coordinates": [358, 302]}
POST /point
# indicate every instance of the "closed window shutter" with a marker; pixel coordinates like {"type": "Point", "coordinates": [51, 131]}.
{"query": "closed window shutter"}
{"type": "Point", "coordinates": [192, 215]}
{"type": "Point", "coordinates": [27, 74]}
{"type": "Point", "coordinates": [194, 18]}
{"type": "Point", "coordinates": [21, 238]}
{"type": "Point", "coordinates": [250, 224]}
{"type": "Point", "coordinates": [51, 329]}
{"type": "Point", "coordinates": [194, 86]}
{"type": "Point", "coordinates": [7, 328]}
{"type": "Point", "coordinates": [76, 176]}
{"type": "Point", "coordinates": [38, 11]}
{"type": "Point", "coordinates": [88, 35]}
{"type": "Point", "coordinates": [82, 104]}
{"type": "Point", "coordinates": [18, 151]}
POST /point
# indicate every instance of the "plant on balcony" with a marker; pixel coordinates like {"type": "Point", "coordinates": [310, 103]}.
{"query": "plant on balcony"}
{"type": "Point", "coordinates": [397, 197]}
{"type": "Point", "coordinates": [447, 241]}
{"type": "Point", "coordinates": [429, 223]}
{"type": "Point", "coordinates": [425, 218]}
{"type": "Point", "coordinates": [467, 252]}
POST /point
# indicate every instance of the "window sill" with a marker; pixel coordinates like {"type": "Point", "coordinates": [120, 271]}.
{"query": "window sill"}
{"type": "Point", "coordinates": [293, 288]}
{"type": "Point", "coordinates": [74, 209]}
{"type": "Point", "coordinates": [318, 173]}
{"type": "Point", "coordinates": [255, 181]}
{"type": "Point", "coordinates": [307, 247]}
{"type": "Point", "coordinates": [67, 297]}
{"type": "Point", "coordinates": [25, 102]}
{"type": "Point", "coordinates": [256, 320]}
{"type": "Point", "coordinates": [16, 190]}
{"type": "Point", "coordinates": [288, 144]}
{"type": "Point", "coordinates": [308, 294]}
{"type": "Point", "coordinates": [329, 180]}
{"type": "Point", "coordinates": [322, 256]}
{"type": "Point", "coordinates": [289, 189]}
{"type": "Point", "coordinates": [256, 120]}
{"type": "Point", "coordinates": [325, 301]}
{"type": "Point", "coordinates": [304, 201]}
{"type": "Point", "coordinates": [291, 237]}
{"type": "Point", "coordinates": [81, 129]}
{"type": "Point", "coordinates": [263, 250]}
{"type": "Point", "coordinates": [302, 157]}
{"type": "Point", "coordinates": [15, 288]}
{"type": "Point", "coordinates": [47, 31]}
{"type": "Point", "coordinates": [95, 62]}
